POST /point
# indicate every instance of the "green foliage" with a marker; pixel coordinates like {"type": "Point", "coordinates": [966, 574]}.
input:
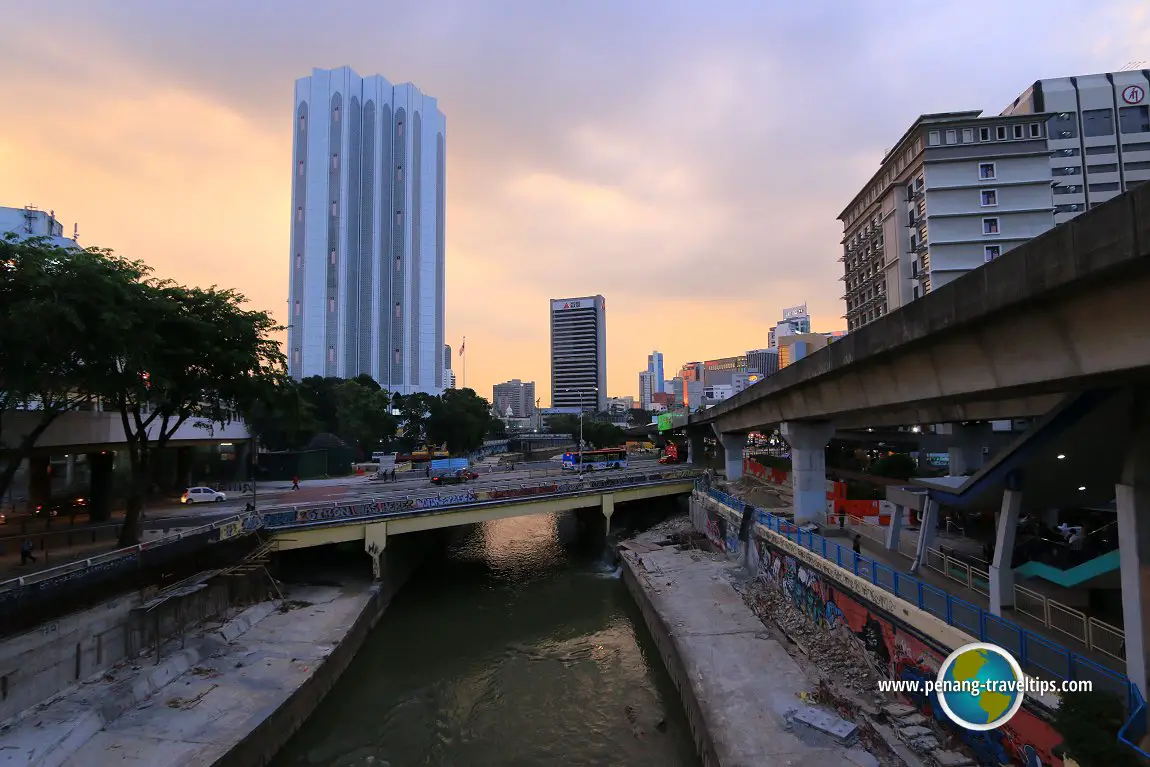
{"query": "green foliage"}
{"type": "Point", "coordinates": [596, 433]}
{"type": "Point", "coordinates": [458, 419]}
{"type": "Point", "coordinates": [1089, 723]}
{"type": "Point", "coordinates": [188, 354]}
{"type": "Point", "coordinates": [842, 455]}
{"type": "Point", "coordinates": [363, 415]}
{"type": "Point", "coordinates": [639, 417]}
{"type": "Point", "coordinates": [63, 312]}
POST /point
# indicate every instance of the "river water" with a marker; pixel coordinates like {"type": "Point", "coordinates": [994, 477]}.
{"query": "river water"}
{"type": "Point", "coordinates": [518, 647]}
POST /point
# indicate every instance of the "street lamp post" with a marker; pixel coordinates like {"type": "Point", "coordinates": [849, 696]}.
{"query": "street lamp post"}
{"type": "Point", "coordinates": [580, 393]}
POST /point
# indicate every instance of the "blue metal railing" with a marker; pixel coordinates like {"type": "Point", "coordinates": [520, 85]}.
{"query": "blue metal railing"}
{"type": "Point", "coordinates": [1134, 730]}
{"type": "Point", "coordinates": [1036, 654]}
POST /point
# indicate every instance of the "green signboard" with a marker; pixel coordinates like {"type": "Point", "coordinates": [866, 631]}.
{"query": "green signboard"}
{"type": "Point", "coordinates": [665, 421]}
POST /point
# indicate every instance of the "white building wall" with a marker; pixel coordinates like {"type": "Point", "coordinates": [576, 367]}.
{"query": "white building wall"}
{"type": "Point", "coordinates": [363, 332]}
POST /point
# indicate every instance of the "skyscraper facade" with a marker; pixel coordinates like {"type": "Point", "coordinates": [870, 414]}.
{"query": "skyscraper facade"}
{"type": "Point", "coordinates": [514, 396]}
{"type": "Point", "coordinates": [655, 368]}
{"type": "Point", "coordinates": [367, 287]}
{"type": "Point", "coordinates": [579, 353]}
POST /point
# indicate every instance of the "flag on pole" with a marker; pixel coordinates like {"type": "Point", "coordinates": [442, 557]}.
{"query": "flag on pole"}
{"type": "Point", "coordinates": [463, 346]}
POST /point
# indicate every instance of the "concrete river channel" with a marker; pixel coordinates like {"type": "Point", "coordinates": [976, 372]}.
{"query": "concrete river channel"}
{"type": "Point", "coordinates": [515, 645]}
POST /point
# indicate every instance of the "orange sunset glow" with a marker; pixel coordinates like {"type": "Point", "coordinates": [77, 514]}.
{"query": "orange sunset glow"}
{"type": "Point", "coordinates": [688, 163]}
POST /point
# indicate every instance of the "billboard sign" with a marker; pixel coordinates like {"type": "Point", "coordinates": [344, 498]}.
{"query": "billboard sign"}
{"type": "Point", "coordinates": [665, 421]}
{"type": "Point", "coordinates": [564, 304]}
{"type": "Point", "coordinates": [795, 311]}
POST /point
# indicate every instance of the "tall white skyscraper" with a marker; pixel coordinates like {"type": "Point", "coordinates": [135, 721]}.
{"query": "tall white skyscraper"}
{"type": "Point", "coordinates": [579, 353]}
{"type": "Point", "coordinates": [367, 235]}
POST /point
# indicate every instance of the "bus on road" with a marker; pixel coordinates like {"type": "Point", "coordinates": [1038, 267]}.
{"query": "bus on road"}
{"type": "Point", "coordinates": [596, 460]}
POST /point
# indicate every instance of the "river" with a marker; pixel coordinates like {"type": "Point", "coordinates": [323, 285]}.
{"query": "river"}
{"type": "Point", "coordinates": [516, 647]}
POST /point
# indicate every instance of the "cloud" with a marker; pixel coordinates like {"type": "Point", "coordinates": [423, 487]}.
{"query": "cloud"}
{"type": "Point", "coordinates": [688, 163]}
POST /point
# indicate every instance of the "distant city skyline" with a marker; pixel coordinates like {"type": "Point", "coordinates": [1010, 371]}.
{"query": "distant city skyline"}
{"type": "Point", "coordinates": [675, 221]}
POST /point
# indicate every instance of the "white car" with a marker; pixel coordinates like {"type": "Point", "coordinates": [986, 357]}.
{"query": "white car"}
{"type": "Point", "coordinates": [202, 495]}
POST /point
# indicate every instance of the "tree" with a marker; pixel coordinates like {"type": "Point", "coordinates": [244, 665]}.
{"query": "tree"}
{"type": "Point", "coordinates": [363, 414]}
{"type": "Point", "coordinates": [414, 410]}
{"type": "Point", "coordinates": [1089, 723]}
{"type": "Point", "coordinates": [496, 429]}
{"type": "Point", "coordinates": [190, 353]}
{"type": "Point", "coordinates": [459, 419]}
{"type": "Point", "coordinates": [282, 417]}
{"type": "Point", "coordinates": [320, 393]}
{"type": "Point", "coordinates": [603, 435]}
{"type": "Point", "coordinates": [894, 466]}
{"type": "Point", "coordinates": [65, 310]}
{"type": "Point", "coordinates": [639, 417]}
{"type": "Point", "coordinates": [563, 423]}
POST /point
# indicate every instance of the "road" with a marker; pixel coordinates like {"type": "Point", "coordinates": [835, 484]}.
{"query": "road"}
{"type": "Point", "coordinates": [352, 489]}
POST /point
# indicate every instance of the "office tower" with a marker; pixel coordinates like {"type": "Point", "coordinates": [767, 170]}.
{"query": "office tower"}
{"type": "Point", "coordinates": [795, 320]}
{"type": "Point", "coordinates": [367, 234]}
{"type": "Point", "coordinates": [517, 395]}
{"type": "Point", "coordinates": [655, 368]}
{"type": "Point", "coordinates": [1097, 132]}
{"type": "Point", "coordinates": [646, 389]}
{"type": "Point", "coordinates": [448, 373]}
{"type": "Point", "coordinates": [764, 362]}
{"type": "Point", "coordinates": [579, 353]}
{"type": "Point", "coordinates": [691, 374]}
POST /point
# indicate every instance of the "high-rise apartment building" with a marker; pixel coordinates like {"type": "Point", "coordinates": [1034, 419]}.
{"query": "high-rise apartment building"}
{"type": "Point", "coordinates": [516, 396]}
{"type": "Point", "coordinates": [1098, 135]}
{"type": "Point", "coordinates": [655, 368]}
{"type": "Point", "coordinates": [957, 190]}
{"type": "Point", "coordinates": [367, 235]}
{"type": "Point", "coordinates": [960, 188]}
{"type": "Point", "coordinates": [579, 353]}
{"type": "Point", "coordinates": [646, 389]}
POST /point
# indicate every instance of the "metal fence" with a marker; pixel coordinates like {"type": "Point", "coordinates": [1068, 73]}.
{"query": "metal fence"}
{"type": "Point", "coordinates": [1037, 655]}
{"type": "Point", "coordinates": [290, 516]}
{"type": "Point", "coordinates": [1095, 634]}
{"type": "Point", "coordinates": [959, 570]}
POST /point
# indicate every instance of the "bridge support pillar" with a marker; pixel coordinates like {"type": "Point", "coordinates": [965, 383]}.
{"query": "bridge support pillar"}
{"type": "Point", "coordinates": [696, 448]}
{"type": "Point", "coordinates": [375, 544]}
{"type": "Point", "coordinates": [808, 441]}
{"type": "Point", "coordinates": [894, 531]}
{"type": "Point", "coordinates": [608, 506]}
{"type": "Point", "coordinates": [1001, 571]}
{"type": "Point", "coordinates": [732, 445]}
{"type": "Point", "coordinates": [927, 524]}
{"type": "Point", "coordinates": [1133, 501]}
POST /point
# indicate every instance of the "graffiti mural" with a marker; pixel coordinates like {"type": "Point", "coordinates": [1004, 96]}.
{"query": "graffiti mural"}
{"type": "Point", "coordinates": [1028, 739]}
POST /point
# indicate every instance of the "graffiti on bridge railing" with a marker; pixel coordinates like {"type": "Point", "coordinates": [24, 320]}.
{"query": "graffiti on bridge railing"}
{"type": "Point", "coordinates": [347, 511]}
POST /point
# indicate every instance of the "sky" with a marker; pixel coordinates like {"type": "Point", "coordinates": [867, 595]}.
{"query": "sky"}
{"type": "Point", "coordinates": [687, 160]}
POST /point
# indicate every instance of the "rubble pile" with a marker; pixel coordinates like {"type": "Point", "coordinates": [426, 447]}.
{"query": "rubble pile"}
{"type": "Point", "coordinates": [846, 678]}
{"type": "Point", "coordinates": [836, 653]}
{"type": "Point", "coordinates": [762, 495]}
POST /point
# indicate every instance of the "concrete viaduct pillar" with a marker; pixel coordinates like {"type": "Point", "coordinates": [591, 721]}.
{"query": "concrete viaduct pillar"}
{"type": "Point", "coordinates": [1133, 501]}
{"type": "Point", "coordinates": [607, 503]}
{"type": "Point", "coordinates": [927, 524]}
{"type": "Point", "coordinates": [1001, 570]}
{"type": "Point", "coordinates": [696, 447]}
{"type": "Point", "coordinates": [808, 441]}
{"type": "Point", "coordinates": [732, 445]}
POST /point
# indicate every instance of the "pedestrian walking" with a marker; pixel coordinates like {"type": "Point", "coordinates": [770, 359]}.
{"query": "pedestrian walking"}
{"type": "Point", "coordinates": [295, 483]}
{"type": "Point", "coordinates": [857, 545]}
{"type": "Point", "coordinates": [26, 554]}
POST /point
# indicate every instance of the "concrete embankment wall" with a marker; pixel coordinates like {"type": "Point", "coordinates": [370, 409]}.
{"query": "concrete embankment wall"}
{"type": "Point", "coordinates": [271, 730]}
{"type": "Point", "coordinates": [673, 662]}
{"type": "Point", "coordinates": [907, 642]}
